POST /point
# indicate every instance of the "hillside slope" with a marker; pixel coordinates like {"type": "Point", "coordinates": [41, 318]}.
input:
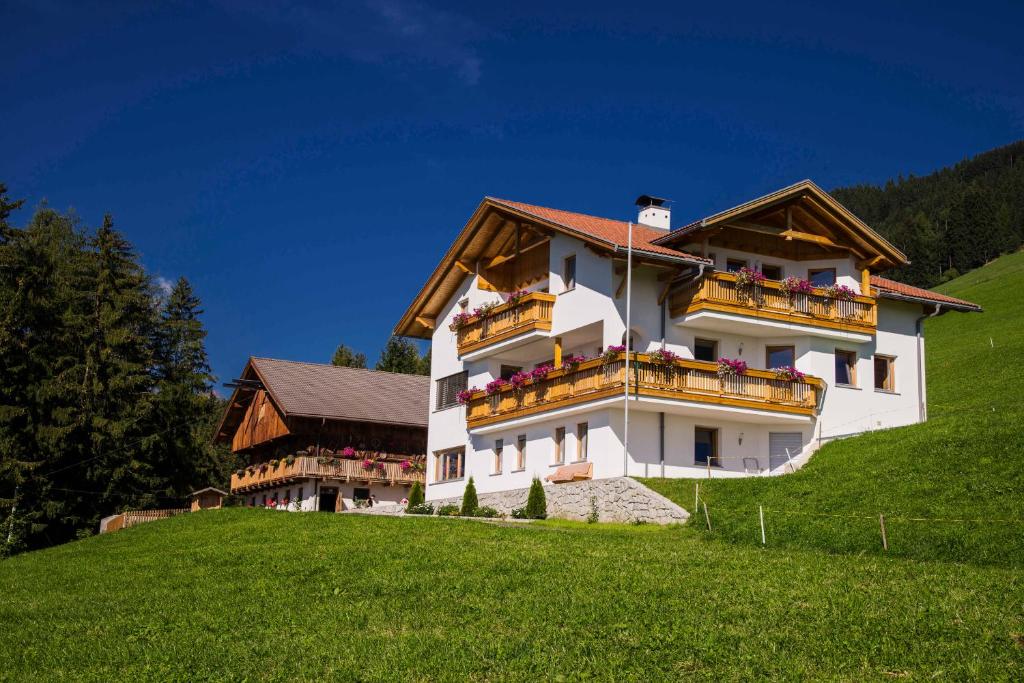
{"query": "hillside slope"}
{"type": "Point", "coordinates": [260, 595]}
{"type": "Point", "coordinates": [966, 462]}
{"type": "Point", "coordinates": [958, 217]}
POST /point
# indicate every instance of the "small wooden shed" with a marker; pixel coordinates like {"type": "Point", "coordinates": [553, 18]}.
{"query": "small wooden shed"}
{"type": "Point", "coordinates": [207, 499]}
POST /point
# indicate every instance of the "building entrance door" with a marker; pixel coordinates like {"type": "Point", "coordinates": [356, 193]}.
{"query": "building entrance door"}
{"type": "Point", "coordinates": [328, 499]}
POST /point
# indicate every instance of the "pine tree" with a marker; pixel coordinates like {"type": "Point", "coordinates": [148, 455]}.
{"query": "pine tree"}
{"type": "Point", "coordinates": [424, 368]}
{"type": "Point", "coordinates": [118, 398]}
{"type": "Point", "coordinates": [347, 358]}
{"type": "Point", "coordinates": [415, 496]}
{"type": "Point", "coordinates": [400, 355]}
{"type": "Point", "coordinates": [469, 500]}
{"type": "Point", "coordinates": [536, 502]}
{"type": "Point", "coordinates": [182, 457]}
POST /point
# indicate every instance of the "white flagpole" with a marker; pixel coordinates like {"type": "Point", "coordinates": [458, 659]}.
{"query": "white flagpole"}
{"type": "Point", "coordinates": [629, 298]}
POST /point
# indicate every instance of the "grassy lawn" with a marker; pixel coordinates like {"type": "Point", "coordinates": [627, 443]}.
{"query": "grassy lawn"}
{"type": "Point", "coordinates": [966, 462]}
{"type": "Point", "coordinates": [258, 595]}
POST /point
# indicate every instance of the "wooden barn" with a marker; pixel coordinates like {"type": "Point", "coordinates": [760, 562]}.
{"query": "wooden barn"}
{"type": "Point", "coordinates": [326, 438]}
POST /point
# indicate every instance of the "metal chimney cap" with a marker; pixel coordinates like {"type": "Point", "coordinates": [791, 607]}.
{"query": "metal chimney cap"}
{"type": "Point", "coordinates": [648, 200]}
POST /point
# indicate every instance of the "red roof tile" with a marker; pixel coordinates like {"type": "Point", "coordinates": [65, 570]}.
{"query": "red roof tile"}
{"type": "Point", "coordinates": [604, 229]}
{"type": "Point", "coordinates": [886, 285]}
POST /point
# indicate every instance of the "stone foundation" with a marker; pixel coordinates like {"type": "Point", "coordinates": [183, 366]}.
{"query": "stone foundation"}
{"type": "Point", "coordinates": [616, 500]}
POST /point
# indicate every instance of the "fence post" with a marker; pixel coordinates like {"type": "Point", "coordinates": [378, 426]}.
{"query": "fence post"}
{"type": "Point", "coordinates": [707, 517]}
{"type": "Point", "coordinates": [696, 495]}
{"type": "Point", "coordinates": [760, 512]}
{"type": "Point", "coordinates": [881, 523]}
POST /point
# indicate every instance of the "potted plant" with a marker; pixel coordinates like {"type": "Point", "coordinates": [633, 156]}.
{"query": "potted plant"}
{"type": "Point", "coordinates": [571, 362]}
{"type": "Point", "coordinates": [518, 382]}
{"type": "Point", "coordinates": [459, 320]}
{"type": "Point", "coordinates": [840, 292]}
{"type": "Point", "coordinates": [493, 389]}
{"type": "Point", "coordinates": [664, 357]}
{"type": "Point", "coordinates": [788, 373]}
{"type": "Point", "coordinates": [611, 354]}
{"type": "Point", "coordinates": [464, 396]}
{"type": "Point", "coordinates": [348, 452]}
{"type": "Point", "coordinates": [516, 296]}
{"type": "Point", "coordinates": [748, 283]}
{"type": "Point", "coordinates": [731, 367]}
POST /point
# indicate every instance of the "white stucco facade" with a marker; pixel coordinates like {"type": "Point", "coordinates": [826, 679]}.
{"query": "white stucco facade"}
{"type": "Point", "coordinates": [590, 316]}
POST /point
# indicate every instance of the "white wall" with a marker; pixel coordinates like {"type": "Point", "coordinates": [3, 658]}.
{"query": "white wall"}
{"type": "Point", "coordinates": [386, 495]}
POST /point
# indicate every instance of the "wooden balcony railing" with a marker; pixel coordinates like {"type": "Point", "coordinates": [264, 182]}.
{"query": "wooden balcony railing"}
{"type": "Point", "coordinates": [685, 380]}
{"type": "Point", "coordinates": [305, 466]}
{"type": "Point", "coordinates": [532, 312]}
{"type": "Point", "coordinates": [719, 292]}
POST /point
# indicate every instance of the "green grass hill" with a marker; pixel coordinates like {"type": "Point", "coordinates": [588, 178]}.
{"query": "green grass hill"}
{"type": "Point", "coordinates": [965, 463]}
{"type": "Point", "coordinates": [259, 595]}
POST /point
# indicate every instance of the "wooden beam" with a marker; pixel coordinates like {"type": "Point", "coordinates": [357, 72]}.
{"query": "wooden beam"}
{"type": "Point", "coordinates": [622, 285]}
{"type": "Point", "coordinates": [664, 292]}
{"type": "Point", "coordinates": [871, 263]}
{"type": "Point", "coordinates": [426, 322]}
{"type": "Point", "coordinates": [498, 260]}
{"type": "Point", "coordinates": [558, 352]}
{"type": "Point", "coordinates": [464, 268]}
{"type": "Point", "coordinates": [865, 282]}
{"type": "Point", "coordinates": [808, 237]}
{"type": "Point", "coordinates": [755, 227]}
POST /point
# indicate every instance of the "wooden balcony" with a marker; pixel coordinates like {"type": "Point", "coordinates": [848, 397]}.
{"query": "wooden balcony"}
{"type": "Point", "coordinates": [529, 314]}
{"type": "Point", "coordinates": [719, 292]}
{"type": "Point", "coordinates": [304, 467]}
{"type": "Point", "coordinates": [685, 380]}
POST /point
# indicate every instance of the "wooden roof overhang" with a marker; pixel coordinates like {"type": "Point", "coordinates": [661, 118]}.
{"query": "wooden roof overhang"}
{"type": "Point", "coordinates": [245, 389]}
{"type": "Point", "coordinates": [496, 233]}
{"type": "Point", "coordinates": [800, 222]}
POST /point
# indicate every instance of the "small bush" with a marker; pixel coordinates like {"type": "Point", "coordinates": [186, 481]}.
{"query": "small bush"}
{"type": "Point", "coordinates": [420, 509]}
{"type": "Point", "coordinates": [469, 499]}
{"type": "Point", "coordinates": [519, 513]}
{"type": "Point", "coordinates": [536, 503]}
{"type": "Point", "coordinates": [594, 517]}
{"type": "Point", "coordinates": [416, 497]}
{"type": "Point", "coordinates": [486, 511]}
{"type": "Point", "coordinates": [448, 510]}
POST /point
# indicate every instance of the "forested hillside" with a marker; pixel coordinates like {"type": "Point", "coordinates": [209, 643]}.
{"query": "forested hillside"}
{"type": "Point", "coordinates": [105, 389]}
{"type": "Point", "coordinates": [951, 221]}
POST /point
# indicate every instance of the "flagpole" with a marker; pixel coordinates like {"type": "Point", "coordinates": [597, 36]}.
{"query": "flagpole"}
{"type": "Point", "coordinates": [629, 335]}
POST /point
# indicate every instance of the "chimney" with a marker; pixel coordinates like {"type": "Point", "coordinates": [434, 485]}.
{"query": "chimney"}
{"type": "Point", "coordinates": [653, 212]}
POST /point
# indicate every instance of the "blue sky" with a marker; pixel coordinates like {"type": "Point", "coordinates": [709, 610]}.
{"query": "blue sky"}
{"type": "Point", "coordinates": [306, 164]}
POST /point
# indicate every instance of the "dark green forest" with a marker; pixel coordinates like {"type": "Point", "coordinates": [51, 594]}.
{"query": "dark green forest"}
{"type": "Point", "coordinates": [106, 398]}
{"type": "Point", "coordinates": [950, 221]}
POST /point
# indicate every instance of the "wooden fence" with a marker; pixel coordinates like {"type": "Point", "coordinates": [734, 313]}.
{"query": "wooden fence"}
{"type": "Point", "coordinates": [131, 518]}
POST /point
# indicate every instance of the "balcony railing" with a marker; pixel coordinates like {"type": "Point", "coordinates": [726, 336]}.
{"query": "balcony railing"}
{"type": "Point", "coordinates": [304, 467]}
{"type": "Point", "coordinates": [685, 380]}
{"type": "Point", "coordinates": [532, 312]}
{"type": "Point", "coordinates": [719, 292]}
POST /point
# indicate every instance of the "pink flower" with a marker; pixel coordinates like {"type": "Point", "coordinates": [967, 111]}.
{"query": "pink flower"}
{"type": "Point", "coordinates": [459, 320]}
{"type": "Point", "coordinates": [570, 361]}
{"type": "Point", "coordinates": [728, 367]}
{"type": "Point", "coordinates": [541, 371]}
{"type": "Point", "coordinates": [348, 452]}
{"type": "Point", "coordinates": [495, 386]}
{"type": "Point", "coordinates": [406, 465]}
{"type": "Point", "coordinates": [789, 373]}
{"type": "Point", "coordinates": [664, 356]}
{"type": "Point", "coordinates": [748, 276]}
{"type": "Point", "coordinates": [795, 285]}
{"type": "Point", "coordinates": [516, 296]}
{"type": "Point", "coordinates": [519, 379]}
{"type": "Point", "coordinates": [464, 396]}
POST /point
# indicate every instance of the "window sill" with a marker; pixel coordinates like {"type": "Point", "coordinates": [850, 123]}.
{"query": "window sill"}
{"type": "Point", "coordinates": [495, 474]}
{"type": "Point", "coordinates": [577, 462]}
{"type": "Point", "coordinates": [557, 464]}
{"type": "Point", "coordinates": [449, 481]}
{"type": "Point", "coordinates": [847, 386]}
{"type": "Point", "coordinates": [887, 391]}
{"type": "Point", "coordinates": [517, 471]}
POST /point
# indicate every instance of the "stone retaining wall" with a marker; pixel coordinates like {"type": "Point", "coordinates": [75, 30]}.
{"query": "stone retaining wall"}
{"type": "Point", "coordinates": [617, 500]}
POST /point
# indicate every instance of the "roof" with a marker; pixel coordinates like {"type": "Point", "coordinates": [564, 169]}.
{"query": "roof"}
{"type": "Point", "coordinates": [209, 489]}
{"type": "Point", "coordinates": [821, 200]}
{"type": "Point", "coordinates": [339, 393]}
{"type": "Point", "coordinates": [897, 290]}
{"type": "Point", "coordinates": [613, 232]}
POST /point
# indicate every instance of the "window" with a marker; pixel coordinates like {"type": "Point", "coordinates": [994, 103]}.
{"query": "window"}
{"type": "Point", "coordinates": [822, 277]}
{"type": "Point", "coordinates": [705, 447]}
{"type": "Point", "coordinates": [448, 389]}
{"type": "Point", "coordinates": [299, 498]}
{"type": "Point", "coordinates": [705, 349]}
{"type": "Point", "coordinates": [450, 464]}
{"type": "Point", "coordinates": [499, 446]}
{"type": "Point", "coordinates": [780, 357]}
{"type": "Point", "coordinates": [771, 272]}
{"type": "Point", "coordinates": [733, 265]}
{"type": "Point", "coordinates": [508, 370]}
{"type": "Point", "coordinates": [581, 441]}
{"type": "Point", "coordinates": [361, 494]}
{"type": "Point", "coordinates": [846, 367]}
{"type": "Point", "coordinates": [569, 273]}
{"type": "Point", "coordinates": [885, 373]}
{"type": "Point", "coordinates": [559, 445]}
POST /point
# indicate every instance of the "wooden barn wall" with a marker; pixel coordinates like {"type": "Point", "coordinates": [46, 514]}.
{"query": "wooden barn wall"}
{"type": "Point", "coordinates": [261, 423]}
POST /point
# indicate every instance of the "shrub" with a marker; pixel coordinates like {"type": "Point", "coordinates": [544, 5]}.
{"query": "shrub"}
{"type": "Point", "coordinates": [420, 509]}
{"type": "Point", "coordinates": [486, 511]}
{"type": "Point", "coordinates": [536, 502]}
{"type": "Point", "coordinates": [594, 517]}
{"type": "Point", "coordinates": [469, 500]}
{"type": "Point", "coordinates": [519, 513]}
{"type": "Point", "coordinates": [416, 497]}
{"type": "Point", "coordinates": [449, 510]}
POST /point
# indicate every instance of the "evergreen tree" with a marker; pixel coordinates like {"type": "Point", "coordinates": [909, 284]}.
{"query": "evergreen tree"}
{"type": "Point", "coordinates": [469, 500]}
{"type": "Point", "coordinates": [347, 358]}
{"type": "Point", "coordinates": [118, 384]}
{"type": "Point", "coordinates": [424, 368]}
{"type": "Point", "coordinates": [400, 355]}
{"type": "Point", "coordinates": [182, 457]}
{"type": "Point", "coordinates": [416, 496]}
{"type": "Point", "coordinates": [536, 501]}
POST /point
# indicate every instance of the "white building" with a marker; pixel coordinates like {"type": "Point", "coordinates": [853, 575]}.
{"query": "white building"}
{"type": "Point", "coordinates": [693, 292]}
